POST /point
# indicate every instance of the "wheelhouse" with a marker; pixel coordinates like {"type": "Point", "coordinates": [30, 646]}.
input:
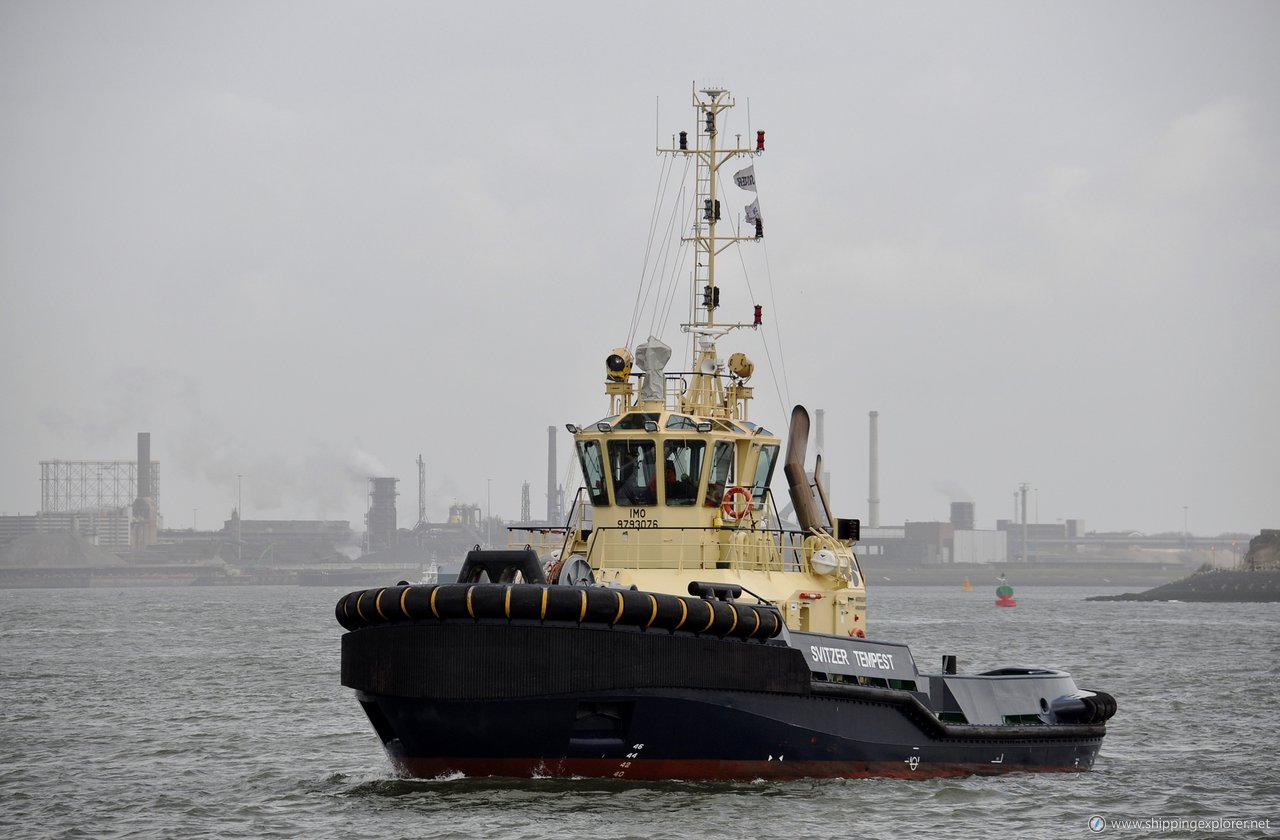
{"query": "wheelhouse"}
{"type": "Point", "coordinates": [670, 459]}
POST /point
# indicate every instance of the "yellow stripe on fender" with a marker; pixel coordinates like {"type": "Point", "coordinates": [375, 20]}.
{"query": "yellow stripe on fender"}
{"type": "Point", "coordinates": [621, 606]}
{"type": "Point", "coordinates": [684, 615]}
{"type": "Point", "coordinates": [359, 611]}
{"type": "Point", "coordinates": [471, 612]}
{"type": "Point", "coordinates": [735, 620]}
{"type": "Point", "coordinates": [543, 616]}
{"type": "Point", "coordinates": [756, 613]}
{"type": "Point", "coordinates": [404, 609]}
{"type": "Point", "coordinates": [377, 605]}
{"type": "Point", "coordinates": [582, 615]}
{"type": "Point", "coordinates": [434, 611]}
{"type": "Point", "coordinates": [507, 603]}
{"type": "Point", "coordinates": [711, 619]}
{"type": "Point", "coordinates": [653, 613]}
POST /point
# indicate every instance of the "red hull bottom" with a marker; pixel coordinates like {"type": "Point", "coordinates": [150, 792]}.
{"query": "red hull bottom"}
{"type": "Point", "coordinates": [694, 770]}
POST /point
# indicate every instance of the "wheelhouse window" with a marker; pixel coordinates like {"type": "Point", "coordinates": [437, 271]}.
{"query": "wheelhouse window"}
{"type": "Point", "coordinates": [634, 468]}
{"type": "Point", "coordinates": [764, 471]}
{"type": "Point", "coordinates": [635, 421]}
{"type": "Point", "coordinates": [720, 473]}
{"type": "Point", "coordinates": [593, 471]}
{"type": "Point", "coordinates": [682, 467]}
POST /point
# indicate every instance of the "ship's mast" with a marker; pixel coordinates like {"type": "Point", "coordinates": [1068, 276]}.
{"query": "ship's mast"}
{"type": "Point", "coordinates": [705, 394]}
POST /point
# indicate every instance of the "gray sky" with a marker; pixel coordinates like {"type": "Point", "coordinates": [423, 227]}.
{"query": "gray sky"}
{"type": "Point", "coordinates": [305, 241]}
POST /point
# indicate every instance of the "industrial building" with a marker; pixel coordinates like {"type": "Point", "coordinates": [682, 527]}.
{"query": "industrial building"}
{"type": "Point", "coordinates": [114, 505]}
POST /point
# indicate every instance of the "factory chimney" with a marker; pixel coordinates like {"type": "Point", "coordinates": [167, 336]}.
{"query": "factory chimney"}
{"type": "Point", "coordinates": [380, 521]}
{"type": "Point", "coordinates": [873, 469]}
{"type": "Point", "coordinates": [143, 528]}
{"type": "Point", "coordinates": [554, 516]}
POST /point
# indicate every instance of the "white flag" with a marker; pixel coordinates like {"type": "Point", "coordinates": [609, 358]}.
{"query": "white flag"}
{"type": "Point", "coordinates": [746, 178]}
{"type": "Point", "coordinates": [753, 212]}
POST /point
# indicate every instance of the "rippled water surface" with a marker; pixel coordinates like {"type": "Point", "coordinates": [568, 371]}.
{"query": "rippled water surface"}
{"type": "Point", "coordinates": [218, 713]}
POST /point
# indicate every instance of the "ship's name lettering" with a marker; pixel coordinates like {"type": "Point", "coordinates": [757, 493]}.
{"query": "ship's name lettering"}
{"type": "Point", "coordinates": [836, 656]}
{"type": "Point", "coordinates": [840, 656]}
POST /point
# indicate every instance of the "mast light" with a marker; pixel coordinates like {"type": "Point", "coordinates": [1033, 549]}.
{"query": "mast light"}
{"type": "Point", "coordinates": [684, 141]}
{"type": "Point", "coordinates": [760, 141]}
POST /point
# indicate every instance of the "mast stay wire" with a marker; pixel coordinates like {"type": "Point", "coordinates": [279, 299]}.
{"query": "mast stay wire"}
{"type": "Point", "coordinates": [646, 280]}
{"type": "Point", "coordinates": [650, 274]}
{"type": "Point", "coordinates": [672, 284]}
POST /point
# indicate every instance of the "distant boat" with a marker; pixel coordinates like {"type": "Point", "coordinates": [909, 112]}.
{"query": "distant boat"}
{"type": "Point", "coordinates": [966, 586]}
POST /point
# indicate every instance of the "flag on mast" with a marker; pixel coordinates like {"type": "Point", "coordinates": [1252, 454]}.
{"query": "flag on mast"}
{"type": "Point", "coordinates": [753, 212]}
{"type": "Point", "coordinates": [746, 178]}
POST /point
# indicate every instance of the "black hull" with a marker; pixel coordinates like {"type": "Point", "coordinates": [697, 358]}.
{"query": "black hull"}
{"type": "Point", "coordinates": [698, 735]}
{"type": "Point", "coordinates": [510, 697]}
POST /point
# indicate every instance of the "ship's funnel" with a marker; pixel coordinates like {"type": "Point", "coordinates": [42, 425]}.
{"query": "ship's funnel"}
{"type": "Point", "coordinates": [652, 358]}
{"type": "Point", "coordinates": [802, 499]}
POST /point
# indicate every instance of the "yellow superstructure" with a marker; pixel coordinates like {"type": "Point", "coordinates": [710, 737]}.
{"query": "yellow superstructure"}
{"type": "Point", "coordinates": [677, 477]}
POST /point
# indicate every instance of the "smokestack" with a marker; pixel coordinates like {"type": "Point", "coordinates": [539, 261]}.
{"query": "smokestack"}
{"type": "Point", "coordinates": [820, 441]}
{"type": "Point", "coordinates": [1026, 555]}
{"type": "Point", "coordinates": [144, 465]}
{"type": "Point", "coordinates": [962, 516]}
{"type": "Point", "coordinates": [553, 497]}
{"type": "Point", "coordinates": [873, 469]}
{"type": "Point", "coordinates": [145, 522]}
{"type": "Point", "coordinates": [380, 521]}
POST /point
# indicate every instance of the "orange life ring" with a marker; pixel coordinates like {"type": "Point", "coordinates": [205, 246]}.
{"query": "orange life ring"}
{"type": "Point", "coordinates": [730, 509]}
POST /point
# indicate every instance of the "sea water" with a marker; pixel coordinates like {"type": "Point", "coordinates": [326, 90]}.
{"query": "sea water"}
{"type": "Point", "coordinates": [217, 712]}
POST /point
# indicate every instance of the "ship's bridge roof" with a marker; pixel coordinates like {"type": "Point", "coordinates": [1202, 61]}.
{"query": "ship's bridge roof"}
{"type": "Point", "coordinates": [639, 420]}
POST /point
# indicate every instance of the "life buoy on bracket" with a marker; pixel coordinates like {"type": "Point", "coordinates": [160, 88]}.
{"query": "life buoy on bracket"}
{"type": "Point", "coordinates": [733, 509]}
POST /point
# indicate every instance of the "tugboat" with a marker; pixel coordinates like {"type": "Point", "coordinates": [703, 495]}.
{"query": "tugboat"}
{"type": "Point", "coordinates": [677, 627]}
